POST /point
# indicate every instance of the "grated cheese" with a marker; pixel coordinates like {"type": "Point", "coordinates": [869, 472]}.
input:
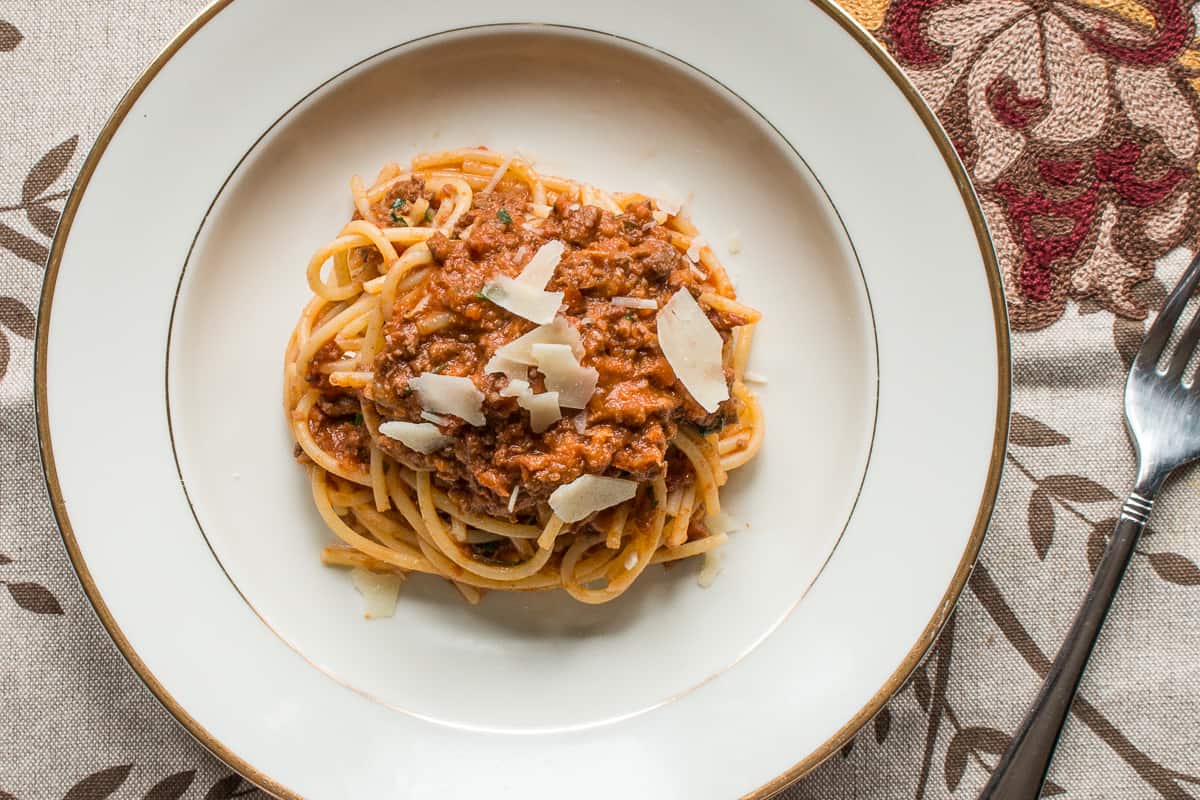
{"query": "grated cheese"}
{"type": "Point", "coordinates": [692, 347]}
{"type": "Point", "coordinates": [423, 437]}
{"type": "Point", "coordinates": [635, 302]}
{"type": "Point", "coordinates": [574, 383]}
{"type": "Point", "coordinates": [449, 394]}
{"type": "Point", "coordinates": [588, 494]}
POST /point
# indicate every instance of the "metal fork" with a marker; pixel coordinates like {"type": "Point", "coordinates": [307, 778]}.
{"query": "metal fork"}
{"type": "Point", "coordinates": [1162, 414]}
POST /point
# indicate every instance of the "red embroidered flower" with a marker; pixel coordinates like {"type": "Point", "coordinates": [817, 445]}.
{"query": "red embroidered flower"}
{"type": "Point", "coordinates": [1079, 129]}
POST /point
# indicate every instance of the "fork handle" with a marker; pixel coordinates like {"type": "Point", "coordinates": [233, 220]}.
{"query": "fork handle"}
{"type": "Point", "coordinates": [1022, 769]}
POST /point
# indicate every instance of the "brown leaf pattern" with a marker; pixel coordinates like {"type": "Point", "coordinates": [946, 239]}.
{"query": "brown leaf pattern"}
{"type": "Point", "coordinates": [22, 246]}
{"type": "Point", "coordinates": [224, 788]}
{"type": "Point", "coordinates": [48, 169]}
{"type": "Point", "coordinates": [171, 787]}
{"type": "Point", "coordinates": [1028, 432]}
{"type": "Point", "coordinates": [1076, 488]}
{"type": "Point", "coordinates": [99, 785]}
{"type": "Point", "coordinates": [16, 317]}
{"type": "Point", "coordinates": [34, 597]}
{"type": "Point", "coordinates": [10, 37]}
{"type": "Point", "coordinates": [1040, 518]}
{"type": "Point", "coordinates": [1175, 568]}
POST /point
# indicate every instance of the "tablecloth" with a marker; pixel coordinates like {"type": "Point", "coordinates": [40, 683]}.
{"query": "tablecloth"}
{"type": "Point", "coordinates": [1079, 122]}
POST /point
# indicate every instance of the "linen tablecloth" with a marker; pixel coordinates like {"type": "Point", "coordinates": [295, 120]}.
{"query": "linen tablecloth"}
{"type": "Point", "coordinates": [1079, 121]}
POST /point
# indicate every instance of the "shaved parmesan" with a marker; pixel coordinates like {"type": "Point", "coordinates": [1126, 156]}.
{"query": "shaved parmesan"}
{"type": "Point", "coordinates": [516, 388]}
{"type": "Point", "coordinates": [497, 175]}
{"type": "Point", "coordinates": [540, 269]}
{"type": "Point", "coordinates": [693, 349]}
{"type": "Point", "coordinates": [520, 350]}
{"type": "Point", "coordinates": [580, 422]}
{"type": "Point", "coordinates": [574, 383]}
{"type": "Point", "coordinates": [449, 394]}
{"type": "Point", "coordinates": [513, 369]}
{"type": "Point", "coordinates": [660, 217]}
{"type": "Point", "coordinates": [379, 590]}
{"type": "Point", "coordinates": [420, 436]}
{"type": "Point", "coordinates": [523, 299]}
{"type": "Point", "coordinates": [693, 251]}
{"type": "Point", "coordinates": [588, 494]}
{"type": "Point", "coordinates": [635, 302]}
{"type": "Point", "coordinates": [540, 210]}
{"type": "Point", "coordinates": [512, 498]}
{"type": "Point", "coordinates": [436, 419]}
{"type": "Point", "coordinates": [543, 409]}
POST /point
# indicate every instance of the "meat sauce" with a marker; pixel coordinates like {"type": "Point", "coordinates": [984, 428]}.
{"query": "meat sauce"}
{"type": "Point", "coordinates": [638, 403]}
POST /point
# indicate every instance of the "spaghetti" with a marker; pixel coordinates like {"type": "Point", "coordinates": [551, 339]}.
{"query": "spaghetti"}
{"type": "Point", "coordinates": [489, 355]}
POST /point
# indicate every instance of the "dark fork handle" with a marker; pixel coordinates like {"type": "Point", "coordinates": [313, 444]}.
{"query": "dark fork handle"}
{"type": "Point", "coordinates": [1022, 768]}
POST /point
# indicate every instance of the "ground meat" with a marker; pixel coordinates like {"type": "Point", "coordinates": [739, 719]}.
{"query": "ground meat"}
{"type": "Point", "coordinates": [638, 404]}
{"type": "Point", "coordinates": [346, 439]}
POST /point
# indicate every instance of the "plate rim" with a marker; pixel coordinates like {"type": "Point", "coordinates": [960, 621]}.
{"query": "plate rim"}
{"type": "Point", "coordinates": [810, 761]}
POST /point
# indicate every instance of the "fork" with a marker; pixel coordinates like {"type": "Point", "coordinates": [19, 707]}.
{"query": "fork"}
{"type": "Point", "coordinates": [1162, 414]}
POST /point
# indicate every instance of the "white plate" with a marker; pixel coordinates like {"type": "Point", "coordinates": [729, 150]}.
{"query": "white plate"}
{"type": "Point", "coordinates": [182, 250]}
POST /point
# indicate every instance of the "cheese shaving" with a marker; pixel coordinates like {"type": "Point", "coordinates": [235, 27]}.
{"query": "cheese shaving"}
{"type": "Point", "coordinates": [520, 350]}
{"type": "Point", "coordinates": [449, 394]}
{"type": "Point", "coordinates": [543, 409]}
{"type": "Point", "coordinates": [420, 436]}
{"type": "Point", "coordinates": [516, 388]}
{"type": "Point", "coordinates": [574, 383]}
{"type": "Point", "coordinates": [588, 494]}
{"type": "Point", "coordinates": [512, 498]}
{"type": "Point", "coordinates": [693, 251]}
{"type": "Point", "coordinates": [540, 269]}
{"type": "Point", "coordinates": [580, 422]}
{"type": "Point", "coordinates": [380, 591]}
{"type": "Point", "coordinates": [635, 302]}
{"type": "Point", "coordinates": [692, 347]}
{"type": "Point", "coordinates": [436, 419]}
{"type": "Point", "coordinates": [522, 299]}
{"type": "Point", "coordinates": [497, 175]}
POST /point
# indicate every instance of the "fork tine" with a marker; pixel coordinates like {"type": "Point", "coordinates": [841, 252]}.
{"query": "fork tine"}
{"type": "Point", "coordinates": [1185, 348]}
{"type": "Point", "coordinates": [1160, 332]}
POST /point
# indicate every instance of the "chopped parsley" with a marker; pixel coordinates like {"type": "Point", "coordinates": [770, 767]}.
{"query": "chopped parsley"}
{"type": "Point", "coordinates": [429, 215]}
{"type": "Point", "coordinates": [629, 315]}
{"type": "Point", "coordinates": [358, 418]}
{"type": "Point", "coordinates": [398, 205]}
{"type": "Point", "coordinates": [504, 216]}
{"type": "Point", "coordinates": [440, 367]}
{"type": "Point", "coordinates": [480, 295]}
